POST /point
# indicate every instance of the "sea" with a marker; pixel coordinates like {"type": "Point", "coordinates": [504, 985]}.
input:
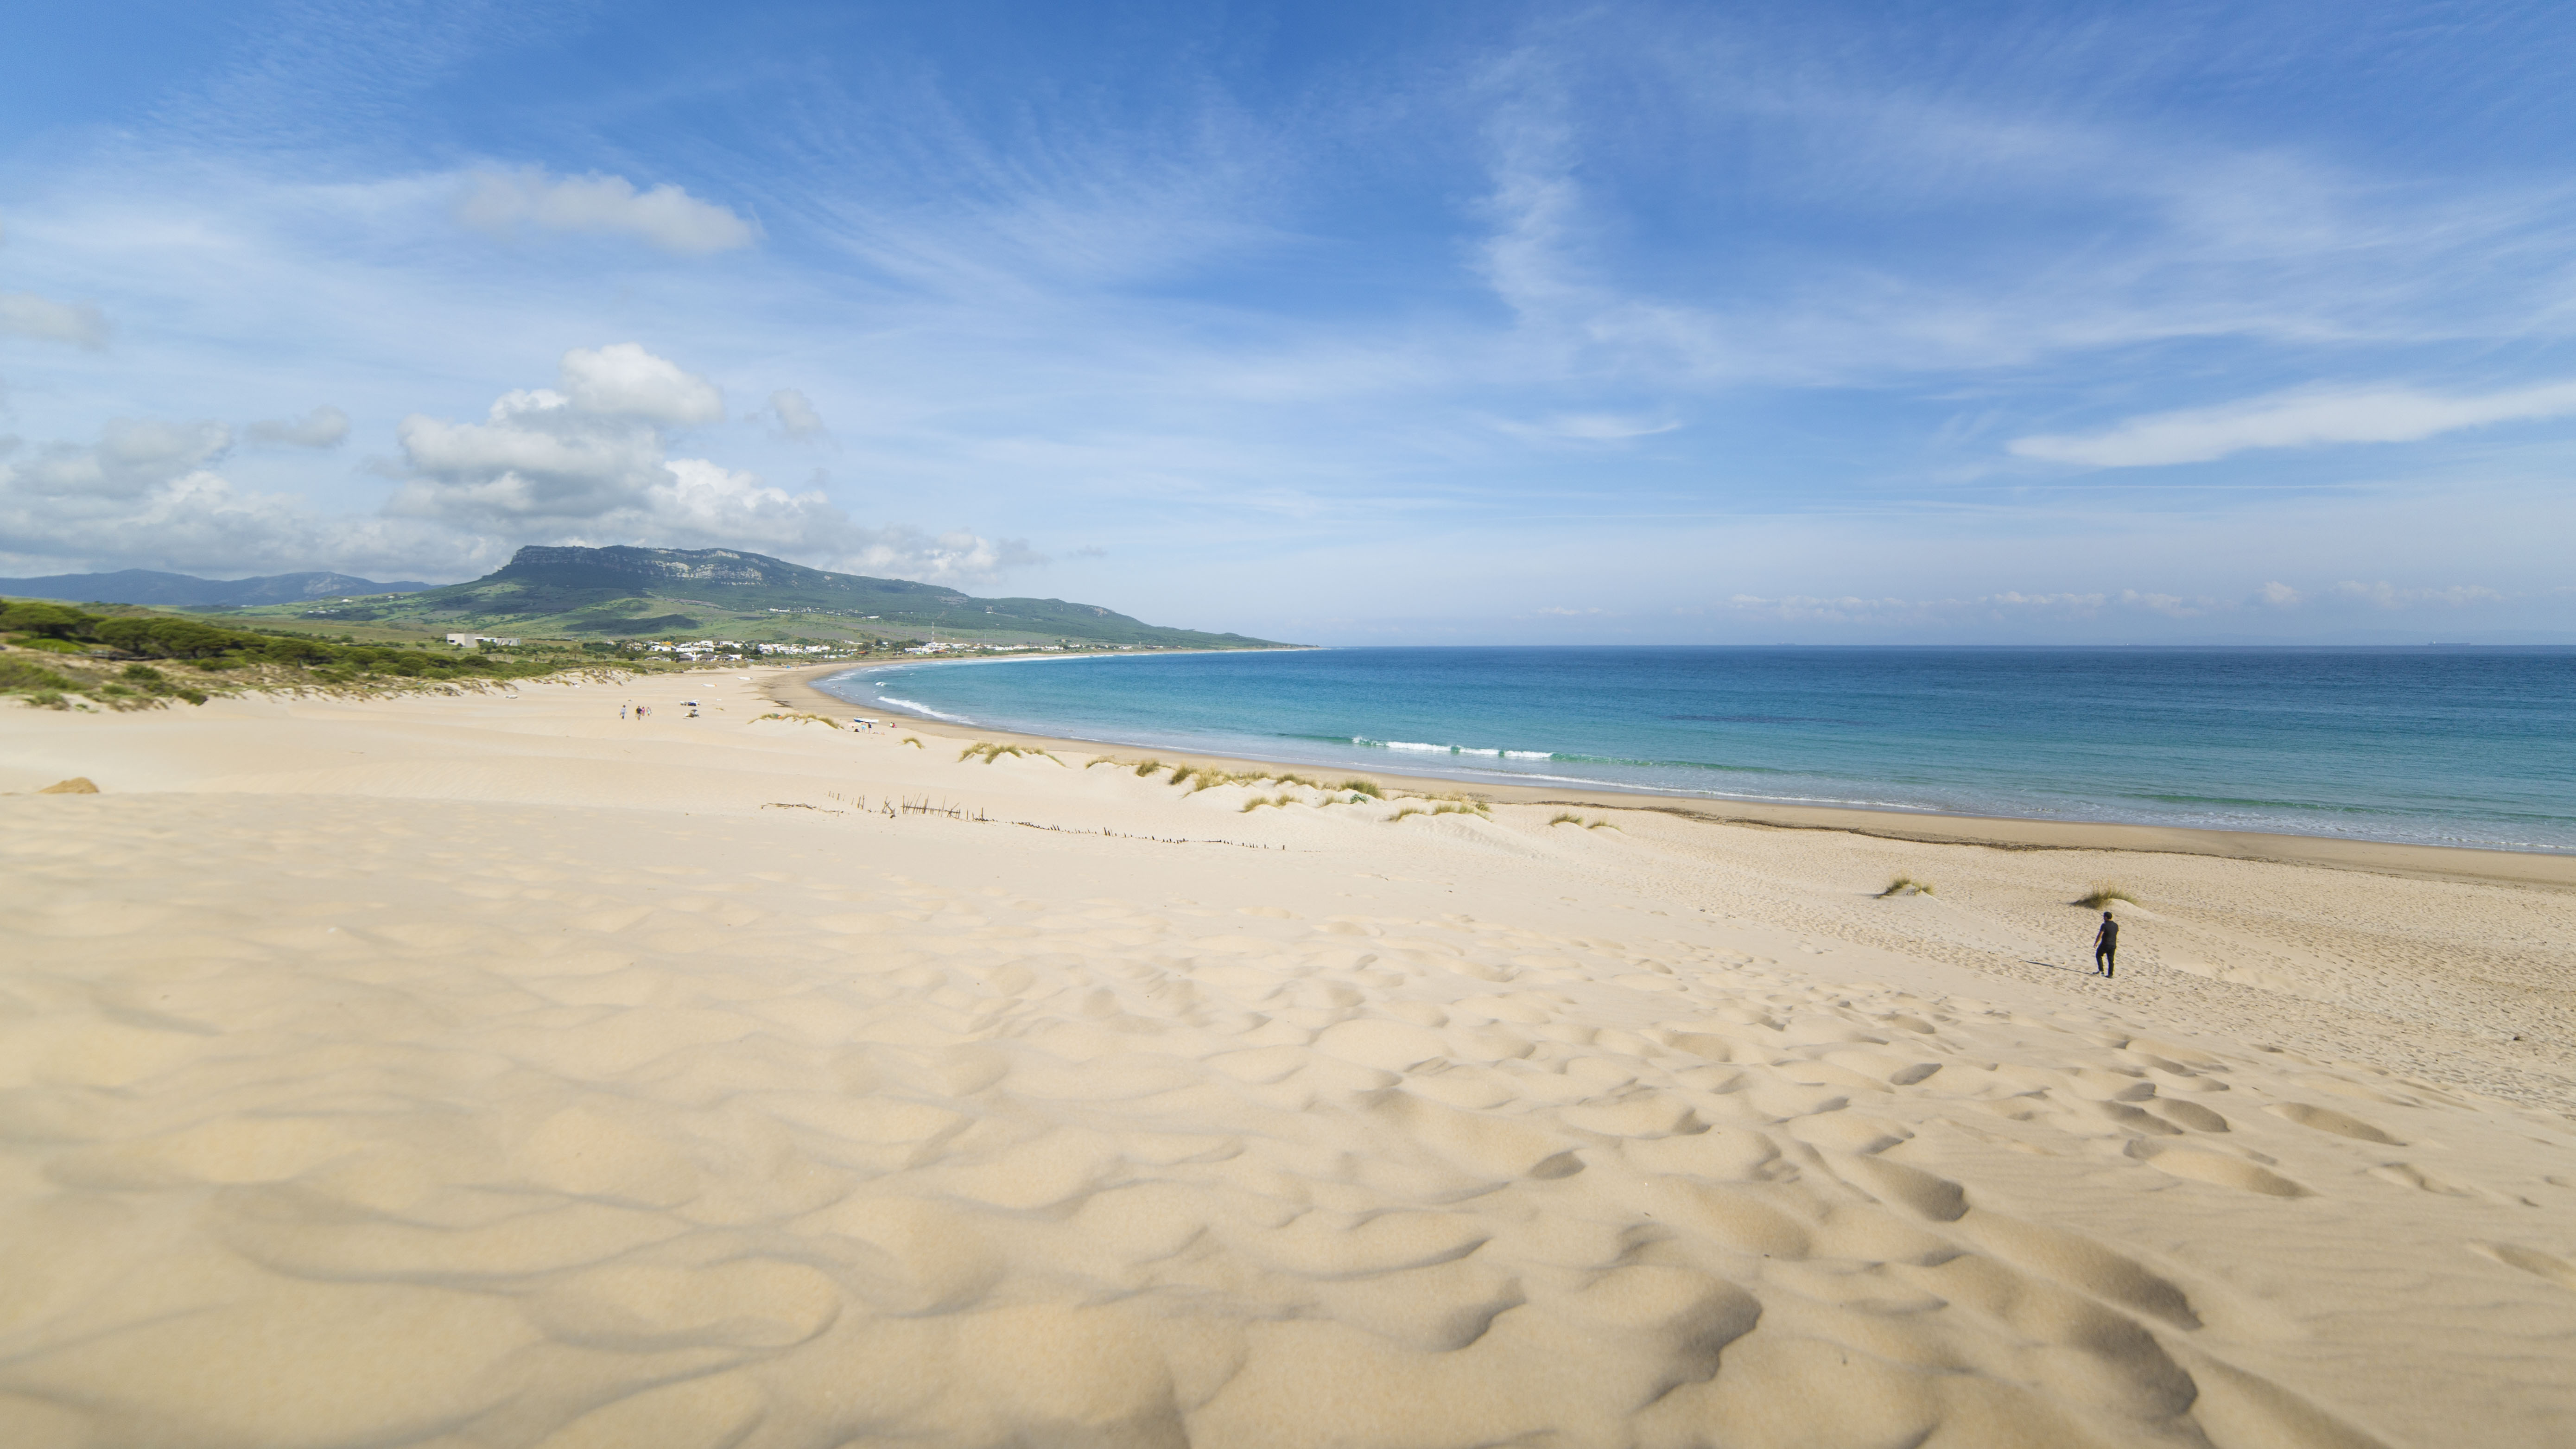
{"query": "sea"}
{"type": "Point", "coordinates": [2437, 746]}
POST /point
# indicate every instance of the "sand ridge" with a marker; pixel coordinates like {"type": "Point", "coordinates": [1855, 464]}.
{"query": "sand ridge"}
{"type": "Point", "coordinates": [485, 1071]}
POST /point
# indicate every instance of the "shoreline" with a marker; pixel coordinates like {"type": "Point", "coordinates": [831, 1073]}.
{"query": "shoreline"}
{"type": "Point", "coordinates": [2431, 862]}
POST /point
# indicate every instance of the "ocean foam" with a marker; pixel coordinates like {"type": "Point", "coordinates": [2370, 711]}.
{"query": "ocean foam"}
{"type": "Point", "coordinates": [923, 709]}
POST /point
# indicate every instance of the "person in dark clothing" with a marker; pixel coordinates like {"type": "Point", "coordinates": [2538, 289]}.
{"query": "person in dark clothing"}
{"type": "Point", "coordinates": [2106, 944]}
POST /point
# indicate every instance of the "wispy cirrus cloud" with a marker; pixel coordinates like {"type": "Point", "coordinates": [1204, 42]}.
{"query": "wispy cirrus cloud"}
{"type": "Point", "coordinates": [25, 314]}
{"type": "Point", "coordinates": [2302, 419]}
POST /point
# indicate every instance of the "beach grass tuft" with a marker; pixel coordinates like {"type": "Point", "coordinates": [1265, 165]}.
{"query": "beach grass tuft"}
{"type": "Point", "coordinates": [2103, 892]}
{"type": "Point", "coordinates": [1906, 885]}
{"type": "Point", "coordinates": [1565, 817]}
{"type": "Point", "coordinates": [792, 717]}
{"type": "Point", "coordinates": [1407, 810]}
{"type": "Point", "coordinates": [1283, 798]}
{"type": "Point", "coordinates": [912, 740]}
{"type": "Point", "coordinates": [991, 751]}
{"type": "Point", "coordinates": [1362, 787]}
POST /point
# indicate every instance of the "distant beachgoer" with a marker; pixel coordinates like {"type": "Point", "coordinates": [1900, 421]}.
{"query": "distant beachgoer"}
{"type": "Point", "coordinates": [2106, 944]}
{"type": "Point", "coordinates": [621, 711]}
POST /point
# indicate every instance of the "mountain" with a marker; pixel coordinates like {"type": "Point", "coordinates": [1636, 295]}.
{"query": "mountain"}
{"type": "Point", "coordinates": [656, 592]}
{"type": "Point", "coordinates": [143, 586]}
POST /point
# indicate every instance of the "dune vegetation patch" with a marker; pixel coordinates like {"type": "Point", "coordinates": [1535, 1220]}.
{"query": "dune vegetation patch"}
{"type": "Point", "coordinates": [2103, 892]}
{"type": "Point", "coordinates": [989, 751]}
{"type": "Point", "coordinates": [1906, 885]}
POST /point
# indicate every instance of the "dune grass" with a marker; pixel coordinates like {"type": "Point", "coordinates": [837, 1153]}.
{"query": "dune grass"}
{"type": "Point", "coordinates": [1283, 798]}
{"type": "Point", "coordinates": [793, 717]}
{"type": "Point", "coordinates": [1568, 817]}
{"type": "Point", "coordinates": [1906, 885]}
{"type": "Point", "coordinates": [1362, 787]}
{"type": "Point", "coordinates": [913, 740]}
{"type": "Point", "coordinates": [1408, 810]}
{"type": "Point", "coordinates": [2103, 892]}
{"type": "Point", "coordinates": [989, 751]}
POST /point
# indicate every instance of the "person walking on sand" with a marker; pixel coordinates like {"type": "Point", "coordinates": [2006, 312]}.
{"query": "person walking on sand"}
{"type": "Point", "coordinates": [2106, 944]}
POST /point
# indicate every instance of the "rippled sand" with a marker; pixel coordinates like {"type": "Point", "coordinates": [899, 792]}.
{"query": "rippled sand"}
{"type": "Point", "coordinates": [491, 1071]}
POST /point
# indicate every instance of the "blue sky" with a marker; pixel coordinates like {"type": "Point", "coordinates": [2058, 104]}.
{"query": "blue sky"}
{"type": "Point", "coordinates": [1368, 323]}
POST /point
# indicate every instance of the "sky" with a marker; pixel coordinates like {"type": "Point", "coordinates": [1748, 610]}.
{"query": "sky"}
{"type": "Point", "coordinates": [1378, 323]}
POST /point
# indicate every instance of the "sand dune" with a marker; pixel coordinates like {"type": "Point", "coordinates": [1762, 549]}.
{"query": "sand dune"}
{"type": "Point", "coordinates": [493, 1071]}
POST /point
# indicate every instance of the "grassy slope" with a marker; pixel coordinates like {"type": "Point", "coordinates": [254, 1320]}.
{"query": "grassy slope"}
{"type": "Point", "coordinates": [654, 593]}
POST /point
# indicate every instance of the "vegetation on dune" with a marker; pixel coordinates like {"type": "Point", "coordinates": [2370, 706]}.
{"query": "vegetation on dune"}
{"type": "Point", "coordinates": [2103, 892]}
{"type": "Point", "coordinates": [20, 674]}
{"type": "Point", "coordinates": [122, 660]}
{"type": "Point", "coordinates": [1906, 885]}
{"type": "Point", "coordinates": [1362, 787]}
{"type": "Point", "coordinates": [796, 717]}
{"type": "Point", "coordinates": [989, 751]}
{"type": "Point", "coordinates": [1407, 811]}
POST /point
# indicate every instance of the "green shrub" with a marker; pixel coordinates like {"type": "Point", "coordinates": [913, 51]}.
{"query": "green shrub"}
{"type": "Point", "coordinates": [18, 674]}
{"type": "Point", "coordinates": [145, 675]}
{"type": "Point", "coordinates": [35, 616]}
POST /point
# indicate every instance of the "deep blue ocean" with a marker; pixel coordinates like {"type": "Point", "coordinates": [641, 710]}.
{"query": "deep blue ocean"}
{"type": "Point", "coordinates": [2472, 747]}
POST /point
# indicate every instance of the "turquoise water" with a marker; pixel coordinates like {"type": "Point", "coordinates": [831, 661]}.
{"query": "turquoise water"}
{"type": "Point", "coordinates": [2473, 747]}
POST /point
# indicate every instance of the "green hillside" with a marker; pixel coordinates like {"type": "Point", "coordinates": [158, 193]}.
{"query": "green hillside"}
{"type": "Point", "coordinates": [657, 593]}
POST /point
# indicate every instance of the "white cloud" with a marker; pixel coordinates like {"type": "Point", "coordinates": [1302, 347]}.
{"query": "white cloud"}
{"type": "Point", "coordinates": [624, 378]}
{"type": "Point", "coordinates": [324, 427]}
{"type": "Point", "coordinates": [24, 314]}
{"type": "Point", "coordinates": [666, 216]}
{"type": "Point", "coordinates": [796, 416]}
{"type": "Point", "coordinates": [145, 495]}
{"type": "Point", "coordinates": [2277, 594]}
{"type": "Point", "coordinates": [2295, 420]}
{"type": "Point", "coordinates": [588, 463]}
{"type": "Point", "coordinates": [129, 460]}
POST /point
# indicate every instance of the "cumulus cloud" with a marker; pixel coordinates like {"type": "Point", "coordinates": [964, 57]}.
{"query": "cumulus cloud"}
{"type": "Point", "coordinates": [24, 314]}
{"type": "Point", "coordinates": [668, 217]}
{"type": "Point", "coordinates": [324, 427]}
{"type": "Point", "coordinates": [796, 416]}
{"type": "Point", "coordinates": [623, 378]}
{"type": "Point", "coordinates": [2294, 420]}
{"type": "Point", "coordinates": [130, 459]}
{"type": "Point", "coordinates": [588, 461]}
{"type": "Point", "coordinates": [147, 494]}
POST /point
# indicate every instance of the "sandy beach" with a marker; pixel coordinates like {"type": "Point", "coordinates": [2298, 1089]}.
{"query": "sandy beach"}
{"type": "Point", "coordinates": [489, 1069]}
